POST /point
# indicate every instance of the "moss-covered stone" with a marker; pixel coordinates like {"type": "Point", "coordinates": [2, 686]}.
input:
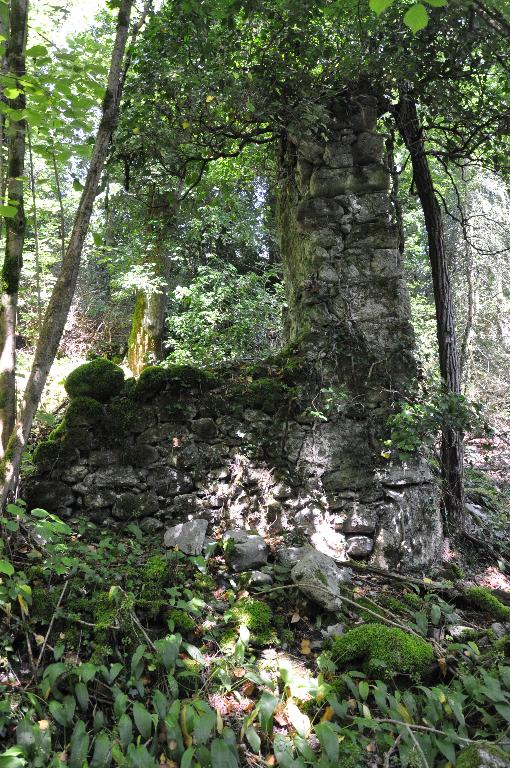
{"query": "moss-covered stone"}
{"type": "Point", "coordinates": [483, 755]}
{"type": "Point", "coordinates": [254, 614]}
{"type": "Point", "coordinates": [83, 411]}
{"type": "Point", "coordinates": [153, 577]}
{"type": "Point", "coordinates": [100, 379]}
{"type": "Point", "coordinates": [155, 379]}
{"type": "Point", "coordinates": [268, 394]}
{"type": "Point", "coordinates": [383, 650]}
{"type": "Point", "coordinates": [183, 621]}
{"type": "Point", "coordinates": [46, 455]}
{"type": "Point", "coordinates": [57, 433]}
{"type": "Point", "coordinates": [486, 601]}
{"type": "Point", "coordinates": [151, 382]}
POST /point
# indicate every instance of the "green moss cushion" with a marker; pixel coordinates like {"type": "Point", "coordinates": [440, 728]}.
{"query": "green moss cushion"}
{"type": "Point", "coordinates": [100, 379]}
{"type": "Point", "coordinates": [383, 650]}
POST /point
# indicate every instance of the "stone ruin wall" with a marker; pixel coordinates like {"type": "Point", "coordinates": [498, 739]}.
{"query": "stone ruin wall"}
{"type": "Point", "coordinates": [231, 457]}
{"type": "Point", "coordinates": [189, 452]}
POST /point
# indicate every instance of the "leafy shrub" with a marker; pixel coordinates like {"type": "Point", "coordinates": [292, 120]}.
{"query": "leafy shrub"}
{"type": "Point", "coordinates": [225, 315]}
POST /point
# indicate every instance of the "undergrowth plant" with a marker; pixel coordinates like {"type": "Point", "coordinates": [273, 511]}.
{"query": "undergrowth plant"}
{"type": "Point", "coordinates": [112, 655]}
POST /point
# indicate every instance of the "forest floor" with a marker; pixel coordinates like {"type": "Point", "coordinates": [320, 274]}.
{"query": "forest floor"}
{"type": "Point", "coordinates": [117, 651]}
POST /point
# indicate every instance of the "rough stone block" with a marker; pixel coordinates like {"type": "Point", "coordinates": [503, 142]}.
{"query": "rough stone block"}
{"type": "Point", "coordinates": [318, 577]}
{"type": "Point", "coordinates": [245, 551]}
{"type": "Point", "coordinates": [188, 537]}
{"type": "Point", "coordinates": [49, 495]}
{"type": "Point", "coordinates": [359, 546]}
{"type": "Point", "coordinates": [135, 505]}
{"type": "Point", "coordinates": [368, 148]}
{"type": "Point", "coordinates": [361, 520]}
{"type": "Point", "coordinates": [204, 429]}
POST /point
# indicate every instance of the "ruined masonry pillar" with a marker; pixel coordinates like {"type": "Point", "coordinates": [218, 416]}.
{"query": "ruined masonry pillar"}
{"type": "Point", "coordinates": [349, 314]}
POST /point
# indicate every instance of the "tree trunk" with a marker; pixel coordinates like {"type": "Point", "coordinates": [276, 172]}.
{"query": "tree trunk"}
{"type": "Point", "coordinates": [148, 325]}
{"type": "Point", "coordinates": [15, 226]}
{"type": "Point", "coordinates": [452, 448]}
{"type": "Point", "coordinates": [470, 267]}
{"type": "Point", "coordinates": [63, 292]}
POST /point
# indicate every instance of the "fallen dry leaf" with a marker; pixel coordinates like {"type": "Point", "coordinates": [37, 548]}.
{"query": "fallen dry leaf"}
{"type": "Point", "coordinates": [441, 663]}
{"type": "Point", "coordinates": [43, 724]}
{"type": "Point", "coordinates": [248, 688]}
{"type": "Point", "coordinates": [328, 715]}
{"type": "Point", "coordinates": [306, 648]}
{"type": "Point", "coordinates": [295, 617]}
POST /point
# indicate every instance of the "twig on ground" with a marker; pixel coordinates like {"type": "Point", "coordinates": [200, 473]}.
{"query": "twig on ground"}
{"type": "Point", "coordinates": [48, 633]}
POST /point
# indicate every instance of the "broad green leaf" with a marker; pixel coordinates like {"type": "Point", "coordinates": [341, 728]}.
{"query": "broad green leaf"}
{"type": "Point", "coordinates": [102, 756]}
{"type": "Point", "coordinates": [79, 745]}
{"type": "Point", "coordinates": [267, 706]}
{"type": "Point", "coordinates": [137, 658]}
{"type": "Point", "coordinates": [82, 696]}
{"type": "Point", "coordinates": [253, 738]}
{"type": "Point", "coordinates": [8, 211]}
{"type": "Point", "coordinates": [204, 726]}
{"type": "Point", "coordinates": [160, 702]}
{"type": "Point", "coordinates": [447, 749]}
{"type": "Point", "coordinates": [187, 757]}
{"type": "Point", "coordinates": [5, 565]}
{"type": "Point", "coordinates": [329, 740]}
{"type": "Point", "coordinates": [364, 689]}
{"type": "Point", "coordinates": [12, 758]}
{"type": "Point", "coordinates": [437, 3]}
{"type": "Point", "coordinates": [378, 6]}
{"type": "Point", "coordinates": [125, 728]}
{"type": "Point", "coordinates": [222, 755]}
{"type": "Point", "coordinates": [300, 721]}
{"type": "Point", "coordinates": [143, 719]}
{"type": "Point", "coordinates": [416, 18]}
{"type": "Point", "coordinates": [36, 51]}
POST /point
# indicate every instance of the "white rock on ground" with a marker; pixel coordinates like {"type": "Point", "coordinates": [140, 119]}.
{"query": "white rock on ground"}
{"type": "Point", "coordinates": [318, 577]}
{"type": "Point", "coordinates": [189, 536]}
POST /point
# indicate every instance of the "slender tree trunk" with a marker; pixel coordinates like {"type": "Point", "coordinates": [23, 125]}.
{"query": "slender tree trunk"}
{"type": "Point", "coordinates": [63, 292]}
{"type": "Point", "coordinates": [4, 31]}
{"type": "Point", "coordinates": [148, 325]}
{"type": "Point", "coordinates": [36, 233]}
{"type": "Point", "coordinates": [62, 218]}
{"type": "Point", "coordinates": [452, 448]}
{"type": "Point", "coordinates": [15, 226]}
{"type": "Point", "coordinates": [470, 271]}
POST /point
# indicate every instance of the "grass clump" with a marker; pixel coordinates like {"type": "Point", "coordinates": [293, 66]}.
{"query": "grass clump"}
{"type": "Point", "coordinates": [383, 650]}
{"type": "Point", "coordinates": [486, 601]}
{"type": "Point", "coordinates": [100, 379]}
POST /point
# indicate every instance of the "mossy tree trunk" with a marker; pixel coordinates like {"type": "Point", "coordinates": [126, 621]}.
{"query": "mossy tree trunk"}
{"type": "Point", "coordinates": [146, 339]}
{"type": "Point", "coordinates": [15, 226]}
{"type": "Point", "coordinates": [58, 307]}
